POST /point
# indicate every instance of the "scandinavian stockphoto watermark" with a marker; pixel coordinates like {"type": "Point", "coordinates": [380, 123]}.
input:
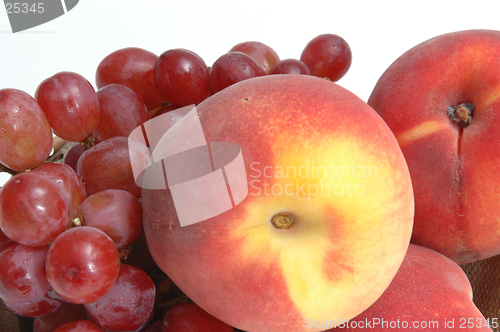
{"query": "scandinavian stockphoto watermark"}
{"type": "Point", "coordinates": [26, 14]}
{"type": "Point", "coordinates": [205, 179]}
{"type": "Point", "coordinates": [310, 179]}
{"type": "Point", "coordinates": [453, 323]}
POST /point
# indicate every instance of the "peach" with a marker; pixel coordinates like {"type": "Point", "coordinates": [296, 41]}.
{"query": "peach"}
{"type": "Point", "coordinates": [429, 293]}
{"type": "Point", "coordinates": [441, 99]}
{"type": "Point", "coordinates": [326, 215]}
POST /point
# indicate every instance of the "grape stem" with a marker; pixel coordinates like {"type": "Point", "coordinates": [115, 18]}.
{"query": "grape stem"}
{"type": "Point", "coordinates": [88, 142]}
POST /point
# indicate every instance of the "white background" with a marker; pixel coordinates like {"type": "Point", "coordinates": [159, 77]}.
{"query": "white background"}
{"type": "Point", "coordinates": [377, 32]}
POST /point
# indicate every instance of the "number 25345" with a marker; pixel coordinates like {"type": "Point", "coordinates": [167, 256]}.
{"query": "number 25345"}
{"type": "Point", "coordinates": [19, 7]}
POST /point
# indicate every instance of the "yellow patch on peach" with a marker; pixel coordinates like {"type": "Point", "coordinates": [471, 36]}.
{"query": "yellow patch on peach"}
{"type": "Point", "coordinates": [491, 96]}
{"type": "Point", "coordinates": [420, 131]}
{"type": "Point", "coordinates": [328, 221]}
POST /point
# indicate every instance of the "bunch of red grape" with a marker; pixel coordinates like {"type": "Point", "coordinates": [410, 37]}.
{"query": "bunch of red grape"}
{"type": "Point", "coordinates": [72, 248]}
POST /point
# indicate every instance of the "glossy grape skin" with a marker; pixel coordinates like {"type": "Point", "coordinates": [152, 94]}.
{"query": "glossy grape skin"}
{"type": "Point", "coordinates": [133, 67]}
{"type": "Point", "coordinates": [25, 133]}
{"type": "Point", "coordinates": [70, 103]}
{"type": "Point", "coordinates": [70, 182]}
{"type": "Point", "coordinates": [190, 317]}
{"type": "Point", "coordinates": [80, 326]}
{"type": "Point", "coordinates": [128, 306]}
{"type": "Point", "coordinates": [42, 306]}
{"type": "Point", "coordinates": [66, 313]}
{"type": "Point", "coordinates": [122, 110]}
{"type": "Point", "coordinates": [83, 264]}
{"type": "Point", "coordinates": [232, 68]}
{"type": "Point", "coordinates": [265, 56]}
{"type": "Point", "coordinates": [181, 77]}
{"type": "Point", "coordinates": [22, 274]}
{"type": "Point", "coordinates": [107, 166]}
{"type": "Point", "coordinates": [117, 213]}
{"type": "Point", "coordinates": [72, 155]}
{"type": "Point", "coordinates": [327, 56]}
{"type": "Point", "coordinates": [290, 66]}
{"type": "Point", "coordinates": [33, 209]}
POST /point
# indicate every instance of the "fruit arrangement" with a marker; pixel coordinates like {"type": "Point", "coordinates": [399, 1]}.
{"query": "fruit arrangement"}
{"type": "Point", "coordinates": [303, 198]}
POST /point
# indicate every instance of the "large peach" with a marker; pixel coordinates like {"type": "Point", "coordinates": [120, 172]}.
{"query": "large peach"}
{"type": "Point", "coordinates": [326, 221]}
{"type": "Point", "coordinates": [441, 99]}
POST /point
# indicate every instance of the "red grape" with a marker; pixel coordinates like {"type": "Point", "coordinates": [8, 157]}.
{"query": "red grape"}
{"type": "Point", "coordinates": [107, 166]}
{"type": "Point", "coordinates": [42, 306]}
{"type": "Point", "coordinates": [72, 155]}
{"type": "Point", "coordinates": [134, 68]}
{"type": "Point", "coordinates": [22, 276]}
{"type": "Point", "coordinates": [69, 181]}
{"type": "Point", "coordinates": [33, 209]}
{"type": "Point", "coordinates": [122, 110]}
{"type": "Point", "coordinates": [117, 213]}
{"type": "Point", "coordinates": [191, 318]}
{"type": "Point", "coordinates": [80, 326]}
{"type": "Point", "coordinates": [70, 103]}
{"type": "Point", "coordinates": [82, 264]}
{"type": "Point", "coordinates": [231, 68]}
{"type": "Point", "coordinates": [181, 77]}
{"type": "Point", "coordinates": [128, 306]}
{"type": "Point", "coordinates": [290, 66]}
{"type": "Point", "coordinates": [265, 56]}
{"type": "Point", "coordinates": [25, 133]}
{"type": "Point", "coordinates": [66, 313]}
{"type": "Point", "coordinates": [327, 56]}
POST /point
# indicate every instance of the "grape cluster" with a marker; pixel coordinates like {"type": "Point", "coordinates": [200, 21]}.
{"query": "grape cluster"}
{"type": "Point", "coordinates": [72, 247]}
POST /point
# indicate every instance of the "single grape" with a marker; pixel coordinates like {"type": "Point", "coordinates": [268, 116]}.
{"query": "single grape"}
{"type": "Point", "coordinates": [134, 68]}
{"type": "Point", "coordinates": [70, 103]}
{"type": "Point", "coordinates": [25, 133]}
{"type": "Point", "coordinates": [66, 313]}
{"type": "Point", "coordinates": [22, 276]}
{"type": "Point", "coordinates": [327, 56]}
{"type": "Point", "coordinates": [82, 264]}
{"type": "Point", "coordinates": [290, 66]}
{"type": "Point", "coordinates": [190, 317]}
{"type": "Point", "coordinates": [117, 213]}
{"type": "Point", "coordinates": [80, 326]}
{"type": "Point", "coordinates": [70, 182]}
{"type": "Point", "coordinates": [181, 77]}
{"type": "Point", "coordinates": [72, 155]}
{"type": "Point", "coordinates": [107, 166]}
{"type": "Point", "coordinates": [122, 110]}
{"type": "Point", "coordinates": [231, 68]}
{"type": "Point", "coordinates": [265, 56]}
{"type": "Point", "coordinates": [33, 209]}
{"type": "Point", "coordinates": [128, 306]}
{"type": "Point", "coordinates": [42, 306]}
